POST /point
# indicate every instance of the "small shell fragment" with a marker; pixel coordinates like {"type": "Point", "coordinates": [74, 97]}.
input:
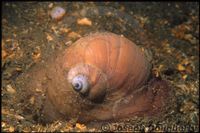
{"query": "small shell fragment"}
{"type": "Point", "coordinates": [11, 129]}
{"type": "Point", "coordinates": [38, 90]}
{"type": "Point", "coordinates": [4, 53]}
{"type": "Point", "coordinates": [84, 21]}
{"type": "Point", "coordinates": [18, 69]}
{"type": "Point", "coordinates": [180, 67]}
{"type": "Point", "coordinates": [2, 44]}
{"type": "Point", "coordinates": [54, 27]}
{"type": "Point", "coordinates": [15, 35]}
{"type": "Point", "coordinates": [64, 29]}
{"type": "Point", "coordinates": [32, 100]}
{"type": "Point", "coordinates": [19, 117]}
{"type": "Point", "coordinates": [49, 38]}
{"type": "Point", "coordinates": [80, 125]}
{"type": "Point", "coordinates": [68, 42]}
{"type": "Point", "coordinates": [36, 56]}
{"type": "Point", "coordinates": [10, 56]}
{"type": "Point", "coordinates": [10, 89]}
{"type": "Point", "coordinates": [58, 13]}
{"type": "Point", "coordinates": [50, 5]}
{"type": "Point", "coordinates": [8, 40]}
{"type": "Point", "coordinates": [188, 36]}
{"type": "Point", "coordinates": [74, 35]}
{"type": "Point", "coordinates": [3, 124]}
{"type": "Point", "coordinates": [147, 129]}
{"type": "Point", "coordinates": [184, 77]}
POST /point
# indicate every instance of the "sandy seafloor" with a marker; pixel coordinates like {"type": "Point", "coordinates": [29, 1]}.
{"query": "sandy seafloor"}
{"type": "Point", "coordinates": [169, 30]}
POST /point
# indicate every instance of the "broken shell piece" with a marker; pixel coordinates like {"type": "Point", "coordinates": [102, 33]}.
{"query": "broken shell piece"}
{"type": "Point", "coordinates": [18, 69]}
{"type": "Point", "coordinates": [4, 53]}
{"type": "Point", "coordinates": [10, 89]}
{"type": "Point", "coordinates": [32, 99]}
{"type": "Point", "coordinates": [84, 21]}
{"type": "Point", "coordinates": [2, 44]}
{"type": "Point", "coordinates": [58, 13]}
{"type": "Point", "coordinates": [19, 117]}
{"type": "Point", "coordinates": [8, 40]}
{"type": "Point", "coordinates": [36, 56]}
{"type": "Point", "coordinates": [64, 29]}
{"type": "Point", "coordinates": [10, 56]}
{"type": "Point", "coordinates": [38, 90]}
{"type": "Point", "coordinates": [180, 67]}
{"type": "Point", "coordinates": [74, 35]}
{"type": "Point", "coordinates": [49, 38]}
{"type": "Point", "coordinates": [50, 5]}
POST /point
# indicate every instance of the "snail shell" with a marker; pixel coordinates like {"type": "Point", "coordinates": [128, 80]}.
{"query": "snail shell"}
{"type": "Point", "coordinates": [99, 77]}
{"type": "Point", "coordinates": [58, 13]}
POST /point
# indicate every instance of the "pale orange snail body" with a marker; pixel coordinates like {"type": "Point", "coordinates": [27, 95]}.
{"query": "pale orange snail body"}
{"type": "Point", "coordinates": [100, 77]}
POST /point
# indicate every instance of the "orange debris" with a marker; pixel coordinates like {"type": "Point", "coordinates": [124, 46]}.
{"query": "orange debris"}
{"type": "Point", "coordinates": [184, 77]}
{"type": "Point", "coordinates": [74, 35]}
{"type": "Point", "coordinates": [4, 53]}
{"type": "Point", "coordinates": [12, 129]}
{"type": "Point", "coordinates": [188, 69]}
{"type": "Point", "coordinates": [49, 38]}
{"type": "Point", "coordinates": [10, 56]}
{"type": "Point", "coordinates": [8, 40]}
{"type": "Point", "coordinates": [2, 44]}
{"type": "Point", "coordinates": [38, 90]}
{"type": "Point", "coordinates": [84, 21]}
{"type": "Point", "coordinates": [180, 67]}
{"type": "Point", "coordinates": [18, 69]}
{"type": "Point", "coordinates": [36, 56]}
{"type": "Point", "coordinates": [122, 8]}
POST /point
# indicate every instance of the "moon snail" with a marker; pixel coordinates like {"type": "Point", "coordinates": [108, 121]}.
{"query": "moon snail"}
{"type": "Point", "coordinates": [102, 77]}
